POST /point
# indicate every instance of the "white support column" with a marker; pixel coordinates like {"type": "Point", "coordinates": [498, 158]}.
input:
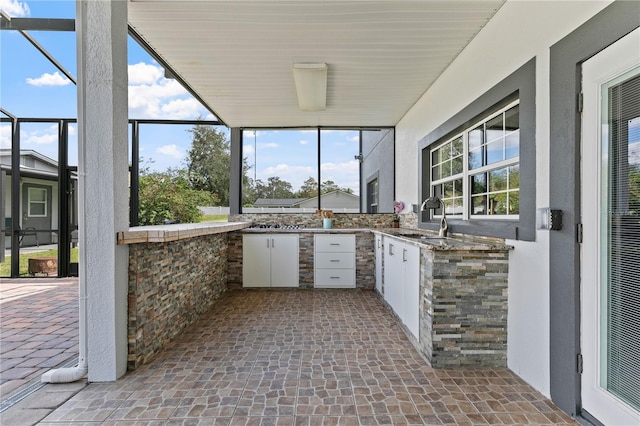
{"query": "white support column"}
{"type": "Point", "coordinates": [101, 32]}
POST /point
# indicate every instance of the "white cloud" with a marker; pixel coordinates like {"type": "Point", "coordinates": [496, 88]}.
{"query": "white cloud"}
{"type": "Point", "coordinates": [181, 108]}
{"type": "Point", "coordinates": [247, 149]}
{"type": "Point", "coordinates": [46, 79]}
{"type": "Point", "coordinates": [41, 139]}
{"type": "Point", "coordinates": [355, 138]}
{"type": "Point", "coordinates": [153, 96]}
{"type": "Point", "coordinates": [171, 150]}
{"type": "Point", "coordinates": [345, 175]}
{"type": "Point", "coordinates": [72, 129]}
{"type": "Point", "coordinates": [295, 175]}
{"type": "Point", "coordinates": [5, 136]}
{"type": "Point", "coordinates": [634, 153]}
{"type": "Point", "coordinates": [351, 166]}
{"type": "Point", "coordinates": [142, 73]}
{"type": "Point", "coordinates": [304, 142]}
{"type": "Point", "coordinates": [634, 141]}
{"type": "Point", "coordinates": [15, 8]}
{"type": "Point", "coordinates": [45, 136]}
{"type": "Point", "coordinates": [269, 145]}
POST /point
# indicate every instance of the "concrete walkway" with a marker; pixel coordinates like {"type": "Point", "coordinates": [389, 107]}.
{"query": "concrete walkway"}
{"type": "Point", "coordinates": [39, 319]}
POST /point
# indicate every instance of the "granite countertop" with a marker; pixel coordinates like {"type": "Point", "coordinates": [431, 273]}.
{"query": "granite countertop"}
{"type": "Point", "coordinates": [431, 240]}
{"type": "Point", "coordinates": [175, 232]}
{"type": "Point", "coordinates": [424, 239]}
{"type": "Point", "coordinates": [304, 230]}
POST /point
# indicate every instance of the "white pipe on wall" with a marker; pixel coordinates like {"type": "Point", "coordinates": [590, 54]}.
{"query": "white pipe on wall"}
{"type": "Point", "coordinates": [72, 374]}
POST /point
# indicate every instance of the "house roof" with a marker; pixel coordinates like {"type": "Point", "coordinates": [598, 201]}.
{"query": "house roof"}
{"type": "Point", "coordinates": [237, 56]}
{"type": "Point", "coordinates": [276, 202]}
{"type": "Point", "coordinates": [335, 191]}
{"type": "Point", "coordinates": [30, 153]}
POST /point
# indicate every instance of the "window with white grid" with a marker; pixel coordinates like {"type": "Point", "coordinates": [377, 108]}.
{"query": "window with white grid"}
{"type": "Point", "coordinates": [476, 173]}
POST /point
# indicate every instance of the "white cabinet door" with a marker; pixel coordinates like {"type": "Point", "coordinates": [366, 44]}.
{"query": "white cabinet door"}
{"type": "Point", "coordinates": [379, 254]}
{"type": "Point", "coordinates": [284, 261]}
{"type": "Point", "coordinates": [393, 274]}
{"type": "Point", "coordinates": [411, 312]}
{"type": "Point", "coordinates": [256, 260]}
{"type": "Point", "coordinates": [402, 281]}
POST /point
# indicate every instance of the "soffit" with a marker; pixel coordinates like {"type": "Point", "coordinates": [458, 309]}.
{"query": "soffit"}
{"type": "Point", "coordinates": [237, 55]}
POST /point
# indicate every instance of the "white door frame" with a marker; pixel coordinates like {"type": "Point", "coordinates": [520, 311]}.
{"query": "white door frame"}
{"type": "Point", "coordinates": [617, 60]}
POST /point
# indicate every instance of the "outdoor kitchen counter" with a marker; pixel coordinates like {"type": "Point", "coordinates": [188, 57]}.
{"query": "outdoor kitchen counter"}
{"type": "Point", "coordinates": [175, 232]}
{"type": "Point", "coordinates": [457, 305]}
{"type": "Point", "coordinates": [431, 241]}
{"type": "Point", "coordinates": [304, 230]}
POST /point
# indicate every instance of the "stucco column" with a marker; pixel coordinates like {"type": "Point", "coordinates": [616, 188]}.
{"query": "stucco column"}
{"type": "Point", "coordinates": [101, 32]}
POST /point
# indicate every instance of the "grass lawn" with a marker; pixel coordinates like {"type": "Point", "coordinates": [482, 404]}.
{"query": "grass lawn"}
{"type": "Point", "coordinates": [215, 218]}
{"type": "Point", "coordinates": [5, 268]}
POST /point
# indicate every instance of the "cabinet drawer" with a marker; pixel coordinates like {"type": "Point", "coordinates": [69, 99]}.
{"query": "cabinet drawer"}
{"type": "Point", "coordinates": [345, 278]}
{"type": "Point", "coordinates": [335, 243]}
{"type": "Point", "coordinates": [335, 260]}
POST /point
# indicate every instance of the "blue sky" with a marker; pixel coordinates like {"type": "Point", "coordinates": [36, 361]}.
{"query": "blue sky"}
{"type": "Point", "coordinates": [30, 86]}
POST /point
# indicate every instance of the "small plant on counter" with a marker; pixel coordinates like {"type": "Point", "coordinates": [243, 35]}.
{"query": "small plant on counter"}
{"type": "Point", "coordinates": [325, 214]}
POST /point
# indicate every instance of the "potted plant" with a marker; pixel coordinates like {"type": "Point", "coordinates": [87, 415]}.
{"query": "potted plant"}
{"type": "Point", "coordinates": [398, 206]}
{"type": "Point", "coordinates": [327, 218]}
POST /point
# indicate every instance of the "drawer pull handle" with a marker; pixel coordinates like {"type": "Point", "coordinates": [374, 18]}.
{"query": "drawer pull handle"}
{"type": "Point", "coordinates": [334, 260]}
{"type": "Point", "coordinates": [335, 278]}
{"type": "Point", "coordinates": [334, 244]}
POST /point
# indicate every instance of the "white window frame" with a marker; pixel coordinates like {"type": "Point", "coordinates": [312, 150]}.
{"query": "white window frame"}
{"type": "Point", "coordinates": [44, 202]}
{"type": "Point", "coordinates": [466, 173]}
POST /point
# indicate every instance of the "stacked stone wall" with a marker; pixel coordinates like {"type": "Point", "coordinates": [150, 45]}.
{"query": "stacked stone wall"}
{"type": "Point", "coordinates": [170, 285]}
{"type": "Point", "coordinates": [310, 220]}
{"type": "Point", "coordinates": [464, 308]}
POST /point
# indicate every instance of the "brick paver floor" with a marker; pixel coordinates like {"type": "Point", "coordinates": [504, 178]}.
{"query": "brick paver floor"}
{"type": "Point", "coordinates": [303, 357]}
{"type": "Point", "coordinates": [39, 319]}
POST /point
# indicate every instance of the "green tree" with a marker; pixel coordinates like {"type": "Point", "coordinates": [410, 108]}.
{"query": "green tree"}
{"type": "Point", "coordinates": [168, 196]}
{"type": "Point", "coordinates": [308, 189]}
{"type": "Point", "coordinates": [634, 188]}
{"type": "Point", "coordinates": [208, 162]}
{"type": "Point", "coordinates": [278, 188]}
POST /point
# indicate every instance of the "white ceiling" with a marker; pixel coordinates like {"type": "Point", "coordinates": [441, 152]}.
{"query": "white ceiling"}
{"type": "Point", "coordinates": [237, 55]}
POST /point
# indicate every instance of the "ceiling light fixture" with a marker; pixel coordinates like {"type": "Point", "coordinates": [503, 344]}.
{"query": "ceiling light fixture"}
{"type": "Point", "coordinates": [311, 86]}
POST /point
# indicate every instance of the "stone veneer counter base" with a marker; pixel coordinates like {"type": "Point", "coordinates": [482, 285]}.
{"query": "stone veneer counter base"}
{"type": "Point", "coordinates": [177, 271]}
{"type": "Point", "coordinates": [463, 299]}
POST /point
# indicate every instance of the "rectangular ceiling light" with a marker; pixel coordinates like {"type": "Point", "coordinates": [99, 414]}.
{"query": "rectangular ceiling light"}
{"type": "Point", "coordinates": [311, 86]}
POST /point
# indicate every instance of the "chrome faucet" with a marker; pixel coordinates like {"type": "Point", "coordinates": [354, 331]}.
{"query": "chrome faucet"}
{"type": "Point", "coordinates": [434, 203]}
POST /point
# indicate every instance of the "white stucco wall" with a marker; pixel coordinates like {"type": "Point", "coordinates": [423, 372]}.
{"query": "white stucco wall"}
{"type": "Point", "coordinates": [519, 31]}
{"type": "Point", "coordinates": [101, 34]}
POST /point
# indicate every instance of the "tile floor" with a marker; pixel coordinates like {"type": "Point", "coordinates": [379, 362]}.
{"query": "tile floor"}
{"type": "Point", "coordinates": [39, 328]}
{"type": "Point", "coordinates": [310, 357]}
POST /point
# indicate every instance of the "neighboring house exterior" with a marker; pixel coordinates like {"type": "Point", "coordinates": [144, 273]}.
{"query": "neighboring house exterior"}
{"type": "Point", "coordinates": [531, 56]}
{"type": "Point", "coordinates": [277, 202]}
{"type": "Point", "coordinates": [336, 199]}
{"type": "Point", "coordinates": [39, 194]}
